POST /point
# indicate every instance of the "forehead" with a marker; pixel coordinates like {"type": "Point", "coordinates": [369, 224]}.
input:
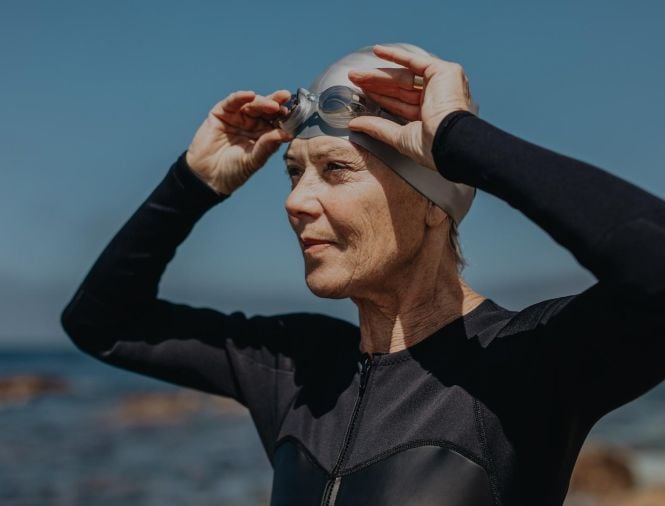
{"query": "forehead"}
{"type": "Point", "coordinates": [322, 146]}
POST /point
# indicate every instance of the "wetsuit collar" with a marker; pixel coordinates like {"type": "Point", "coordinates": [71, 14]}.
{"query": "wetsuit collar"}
{"type": "Point", "coordinates": [485, 315]}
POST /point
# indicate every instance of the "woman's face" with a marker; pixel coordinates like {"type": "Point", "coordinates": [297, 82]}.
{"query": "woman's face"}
{"type": "Point", "coordinates": [359, 224]}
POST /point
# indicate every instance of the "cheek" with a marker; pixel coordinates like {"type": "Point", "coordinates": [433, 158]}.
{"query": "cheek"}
{"type": "Point", "coordinates": [363, 221]}
{"type": "Point", "coordinates": [394, 235]}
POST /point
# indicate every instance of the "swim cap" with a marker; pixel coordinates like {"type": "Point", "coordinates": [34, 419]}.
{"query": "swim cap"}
{"type": "Point", "coordinates": [454, 198]}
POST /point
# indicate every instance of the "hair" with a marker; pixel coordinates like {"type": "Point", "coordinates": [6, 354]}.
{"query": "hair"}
{"type": "Point", "coordinates": [453, 243]}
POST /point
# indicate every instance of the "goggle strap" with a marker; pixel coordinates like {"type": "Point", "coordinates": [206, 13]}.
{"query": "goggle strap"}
{"type": "Point", "coordinates": [454, 198]}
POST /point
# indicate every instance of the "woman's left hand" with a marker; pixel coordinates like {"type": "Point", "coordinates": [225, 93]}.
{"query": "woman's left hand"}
{"type": "Point", "coordinates": [445, 90]}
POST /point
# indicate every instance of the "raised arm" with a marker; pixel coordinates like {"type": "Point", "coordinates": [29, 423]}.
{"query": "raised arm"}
{"type": "Point", "coordinates": [612, 227]}
{"type": "Point", "coordinates": [606, 345]}
{"type": "Point", "coordinates": [117, 317]}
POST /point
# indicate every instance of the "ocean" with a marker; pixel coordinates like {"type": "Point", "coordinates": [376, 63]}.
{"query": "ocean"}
{"type": "Point", "coordinates": [108, 437]}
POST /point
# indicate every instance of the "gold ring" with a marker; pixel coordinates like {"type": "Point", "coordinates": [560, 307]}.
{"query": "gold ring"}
{"type": "Point", "coordinates": [418, 82]}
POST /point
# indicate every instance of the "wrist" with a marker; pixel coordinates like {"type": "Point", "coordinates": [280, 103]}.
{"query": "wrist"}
{"type": "Point", "coordinates": [441, 133]}
{"type": "Point", "coordinates": [195, 187]}
{"type": "Point", "coordinates": [201, 177]}
{"type": "Point", "coordinates": [448, 121]}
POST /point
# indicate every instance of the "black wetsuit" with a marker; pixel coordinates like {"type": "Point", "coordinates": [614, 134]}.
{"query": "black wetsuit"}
{"type": "Point", "coordinates": [490, 409]}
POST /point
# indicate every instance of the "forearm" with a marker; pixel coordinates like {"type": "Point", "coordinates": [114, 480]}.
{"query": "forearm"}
{"type": "Point", "coordinates": [611, 226]}
{"type": "Point", "coordinates": [126, 275]}
{"type": "Point", "coordinates": [117, 317]}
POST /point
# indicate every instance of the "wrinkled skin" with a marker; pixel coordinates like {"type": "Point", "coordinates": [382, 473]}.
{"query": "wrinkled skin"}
{"type": "Point", "coordinates": [377, 223]}
{"type": "Point", "coordinates": [387, 244]}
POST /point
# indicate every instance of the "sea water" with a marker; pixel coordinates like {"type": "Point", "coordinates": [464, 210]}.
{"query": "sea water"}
{"type": "Point", "coordinates": [72, 448]}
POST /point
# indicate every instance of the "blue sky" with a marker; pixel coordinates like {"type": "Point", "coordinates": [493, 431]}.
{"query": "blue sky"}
{"type": "Point", "coordinates": [98, 99]}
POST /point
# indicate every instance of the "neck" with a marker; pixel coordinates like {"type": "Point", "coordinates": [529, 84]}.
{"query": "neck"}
{"type": "Point", "coordinates": [424, 299]}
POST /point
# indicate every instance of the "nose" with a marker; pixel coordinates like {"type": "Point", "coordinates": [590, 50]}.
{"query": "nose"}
{"type": "Point", "coordinates": [303, 202]}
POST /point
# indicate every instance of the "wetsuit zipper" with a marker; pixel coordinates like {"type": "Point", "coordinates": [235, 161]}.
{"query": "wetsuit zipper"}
{"type": "Point", "coordinates": [332, 485]}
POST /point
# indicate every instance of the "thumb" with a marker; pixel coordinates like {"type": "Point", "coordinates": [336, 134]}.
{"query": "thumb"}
{"type": "Point", "coordinates": [266, 145]}
{"type": "Point", "coordinates": [381, 129]}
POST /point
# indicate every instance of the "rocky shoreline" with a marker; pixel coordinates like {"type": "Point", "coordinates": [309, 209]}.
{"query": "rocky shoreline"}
{"type": "Point", "coordinates": [605, 474]}
{"type": "Point", "coordinates": [158, 408]}
{"type": "Point", "coordinates": [608, 475]}
{"type": "Point", "coordinates": [20, 389]}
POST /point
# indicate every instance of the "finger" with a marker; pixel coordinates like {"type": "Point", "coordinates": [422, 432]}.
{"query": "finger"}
{"type": "Point", "coordinates": [383, 77]}
{"type": "Point", "coordinates": [395, 106]}
{"type": "Point", "coordinates": [251, 128]}
{"type": "Point", "coordinates": [261, 107]}
{"type": "Point", "coordinates": [409, 96]}
{"type": "Point", "coordinates": [239, 124]}
{"type": "Point", "coordinates": [380, 128]}
{"type": "Point", "coordinates": [268, 107]}
{"type": "Point", "coordinates": [266, 145]}
{"type": "Point", "coordinates": [417, 63]}
{"type": "Point", "coordinates": [254, 133]}
{"type": "Point", "coordinates": [280, 96]}
{"type": "Point", "coordinates": [233, 102]}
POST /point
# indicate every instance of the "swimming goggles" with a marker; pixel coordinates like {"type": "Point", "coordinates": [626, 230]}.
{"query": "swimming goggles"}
{"type": "Point", "coordinates": [329, 113]}
{"type": "Point", "coordinates": [336, 106]}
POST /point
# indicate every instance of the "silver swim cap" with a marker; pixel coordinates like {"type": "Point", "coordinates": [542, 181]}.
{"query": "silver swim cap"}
{"type": "Point", "coordinates": [454, 198]}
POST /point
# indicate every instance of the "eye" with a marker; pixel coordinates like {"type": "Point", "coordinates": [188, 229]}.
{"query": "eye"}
{"type": "Point", "coordinates": [332, 166]}
{"type": "Point", "coordinates": [293, 171]}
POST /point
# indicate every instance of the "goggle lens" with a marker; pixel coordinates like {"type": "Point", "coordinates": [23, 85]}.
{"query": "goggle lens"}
{"type": "Point", "coordinates": [337, 106]}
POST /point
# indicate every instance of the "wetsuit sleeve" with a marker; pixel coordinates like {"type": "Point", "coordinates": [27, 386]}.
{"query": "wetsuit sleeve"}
{"type": "Point", "coordinates": [117, 317]}
{"type": "Point", "coordinates": [606, 345]}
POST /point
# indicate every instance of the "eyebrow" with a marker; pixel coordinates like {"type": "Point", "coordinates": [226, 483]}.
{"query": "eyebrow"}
{"type": "Point", "coordinates": [322, 154]}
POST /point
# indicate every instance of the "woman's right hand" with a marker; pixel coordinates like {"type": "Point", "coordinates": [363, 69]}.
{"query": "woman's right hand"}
{"type": "Point", "coordinates": [445, 90]}
{"type": "Point", "coordinates": [237, 138]}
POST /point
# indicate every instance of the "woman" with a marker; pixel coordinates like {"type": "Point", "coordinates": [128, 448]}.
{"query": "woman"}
{"type": "Point", "coordinates": [441, 396]}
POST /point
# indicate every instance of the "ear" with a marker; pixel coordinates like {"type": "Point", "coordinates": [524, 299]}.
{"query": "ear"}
{"type": "Point", "coordinates": [435, 215]}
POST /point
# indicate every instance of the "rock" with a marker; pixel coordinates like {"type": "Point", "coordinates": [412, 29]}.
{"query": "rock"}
{"type": "Point", "coordinates": [602, 471]}
{"type": "Point", "coordinates": [156, 408]}
{"type": "Point", "coordinates": [603, 476]}
{"type": "Point", "coordinates": [22, 388]}
{"type": "Point", "coordinates": [227, 406]}
{"type": "Point", "coordinates": [649, 497]}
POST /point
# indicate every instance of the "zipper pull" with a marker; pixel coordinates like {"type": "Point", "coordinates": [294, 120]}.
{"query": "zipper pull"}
{"type": "Point", "coordinates": [364, 372]}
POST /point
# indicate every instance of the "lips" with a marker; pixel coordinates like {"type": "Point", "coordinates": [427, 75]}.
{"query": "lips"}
{"type": "Point", "coordinates": [311, 243]}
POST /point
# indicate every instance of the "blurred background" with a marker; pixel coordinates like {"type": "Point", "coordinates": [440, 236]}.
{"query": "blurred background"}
{"type": "Point", "coordinates": [97, 100]}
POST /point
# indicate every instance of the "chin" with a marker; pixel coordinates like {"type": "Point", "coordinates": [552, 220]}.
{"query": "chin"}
{"type": "Point", "coordinates": [326, 286]}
